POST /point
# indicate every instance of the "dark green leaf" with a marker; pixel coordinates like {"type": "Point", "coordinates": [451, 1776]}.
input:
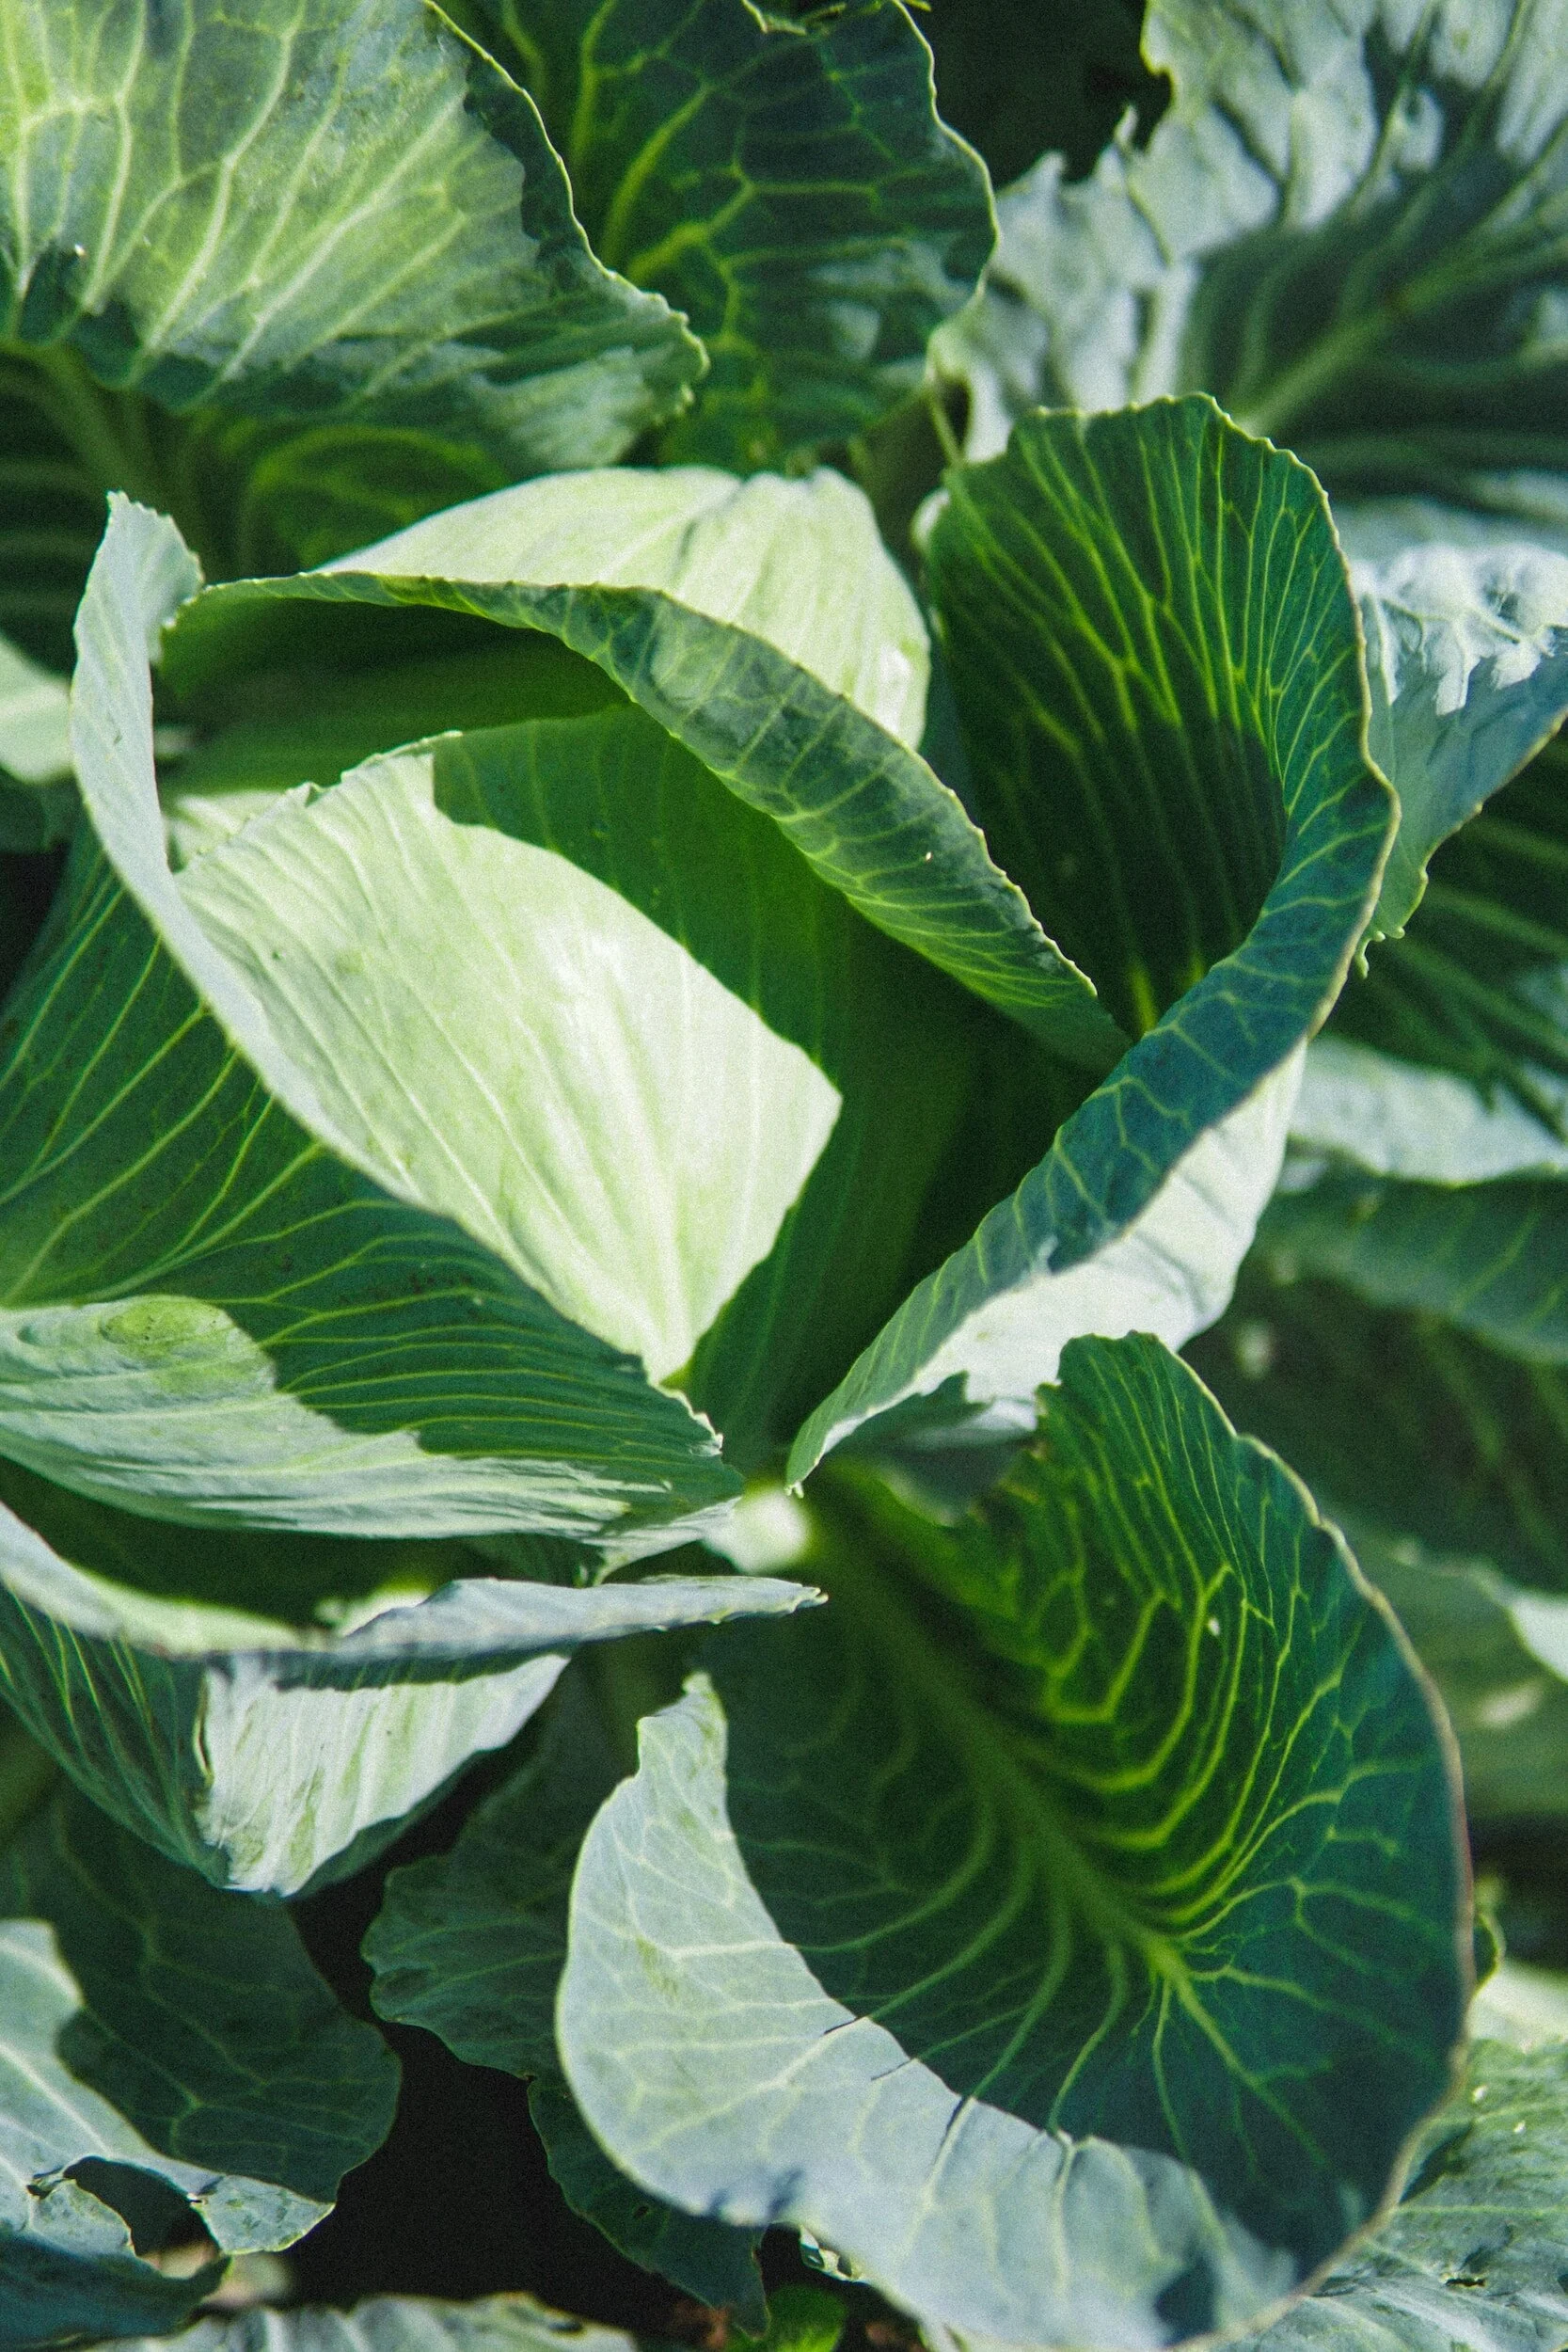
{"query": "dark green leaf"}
{"type": "Point", "coordinates": [363, 1315]}
{"type": "Point", "coordinates": [621, 800]}
{"type": "Point", "coordinates": [1154, 652]}
{"type": "Point", "coordinates": [1479, 983]}
{"type": "Point", "coordinates": [320, 1354]}
{"type": "Point", "coordinates": [1120, 1813]}
{"type": "Point", "coordinates": [784, 180]}
{"type": "Point", "coordinates": [1401, 1418]}
{"type": "Point", "coordinates": [168, 2054]}
{"type": "Point", "coordinates": [1487, 1259]}
{"type": "Point", "coordinates": [197, 210]}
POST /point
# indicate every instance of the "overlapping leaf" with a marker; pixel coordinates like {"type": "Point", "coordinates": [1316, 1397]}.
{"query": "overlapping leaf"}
{"type": "Point", "coordinates": [782, 181]}
{"type": "Point", "coordinates": [472, 1944]}
{"type": "Point", "coordinates": [1473, 2255]}
{"type": "Point", "coordinates": [410, 1310]}
{"type": "Point", "coordinates": [170, 2061]}
{"type": "Point", "coordinates": [1154, 651]}
{"type": "Point", "coordinates": [1400, 1343]}
{"type": "Point", "coordinates": [269, 1750]}
{"type": "Point", "coordinates": [1094, 1861]}
{"type": "Point", "coordinates": [608, 791]}
{"type": "Point", "coordinates": [197, 208]}
{"type": "Point", "coordinates": [1348, 228]}
{"type": "Point", "coordinates": [500, 2323]}
{"type": "Point", "coordinates": [1509, 1708]}
{"type": "Point", "coordinates": [774, 685]}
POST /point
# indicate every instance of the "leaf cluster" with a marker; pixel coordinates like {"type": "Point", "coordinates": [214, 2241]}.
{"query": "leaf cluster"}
{"type": "Point", "coordinates": [783, 1061]}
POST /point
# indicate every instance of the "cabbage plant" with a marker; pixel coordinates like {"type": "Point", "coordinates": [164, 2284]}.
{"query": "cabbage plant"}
{"type": "Point", "coordinates": [784, 1107]}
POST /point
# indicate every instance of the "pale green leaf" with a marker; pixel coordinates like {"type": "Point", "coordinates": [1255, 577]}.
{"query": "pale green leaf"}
{"type": "Point", "coordinates": [1478, 985]}
{"type": "Point", "coordinates": [783, 182]}
{"type": "Point", "coordinates": [798, 563]}
{"type": "Point", "coordinates": [315, 1354]}
{"type": "Point", "coordinates": [1522, 2006]}
{"type": "Point", "coordinates": [1402, 1414]}
{"type": "Point", "coordinates": [911, 1059]}
{"type": "Point", "coordinates": [1397, 1118]}
{"type": "Point", "coordinates": [332, 1348]}
{"type": "Point", "coordinates": [621, 1130]}
{"type": "Point", "coordinates": [1466, 628]}
{"type": "Point", "coordinates": [1066, 1926]}
{"type": "Point", "coordinates": [971, 1343]}
{"type": "Point", "coordinates": [35, 705]}
{"type": "Point", "coordinates": [1509, 1710]}
{"type": "Point", "coordinates": [266, 1753]}
{"type": "Point", "coordinates": [786, 702]}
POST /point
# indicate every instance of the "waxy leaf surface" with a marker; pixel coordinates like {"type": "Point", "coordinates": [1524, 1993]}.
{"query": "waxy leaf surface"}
{"type": "Point", "coordinates": [1473, 2256]}
{"type": "Point", "coordinates": [779, 689]}
{"type": "Point", "coordinates": [268, 1753]}
{"type": "Point", "coordinates": [1096, 1859]}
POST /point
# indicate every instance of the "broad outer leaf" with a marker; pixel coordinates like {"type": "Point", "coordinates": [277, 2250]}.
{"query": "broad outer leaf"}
{"type": "Point", "coordinates": [1155, 655]}
{"type": "Point", "coordinates": [1348, 228]}
{"type": "Point", "coordinates": [734, 617]}
{"type": "Point", "coordinates": [963, 1353]}
{"type": "Point", "coordinates": [498, 2323]}
{"type": "Point", "coordinates": [1095, 1861]}
{"type": "Point", "coordinates": [167, 2052]}
{"type": "Point", "coordinates": [471, 1945]}
{"type": "Point", "coordinates": [1487, 1259]}
{"type": "Point", "coordinates": [311, 1351]}
{"type": "Point", "coordinates": [331, 239]}
{"type": "Point", "coordinates": [264, 1753]}
{"type": "Point", "coordinates": [344, 1317]}
{"type": "Point", "coordinates": [666, 984]}
{"type": "Point", "coordinates": [786, 184]}
{"type": "Point", "coordinates": [1473, 2257]}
